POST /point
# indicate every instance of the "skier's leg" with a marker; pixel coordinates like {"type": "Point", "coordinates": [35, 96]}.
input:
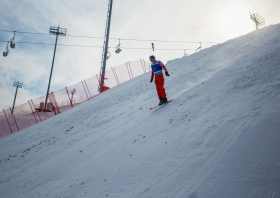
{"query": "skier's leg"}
{"type": "Point", "coordinates": [157, 83]}
{"type": "Point", "coordinates": [161, 87]}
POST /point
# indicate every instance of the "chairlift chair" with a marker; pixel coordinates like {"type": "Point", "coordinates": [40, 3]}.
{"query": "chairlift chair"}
{"type": "Point", "coordinates": [118, 49]}
{"type": "Point", "coordinates": [108, 55]}
{"type": "Point", "coordinates": [7, 50]}
{"type": "Point", "coordinates": [12, 41]}
{"type": "Point", "coordinates": [13, 45]}
{"type": "Point", "coordinates": [185, 54]}
{"type": "Point", "coordinates": [200, 47]}
{"type": "Point", "coordinates": [6, 53]}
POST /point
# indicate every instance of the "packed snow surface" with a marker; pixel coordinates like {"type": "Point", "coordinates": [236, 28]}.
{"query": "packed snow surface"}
{"type": "Point", "coordinates": [219, 137]}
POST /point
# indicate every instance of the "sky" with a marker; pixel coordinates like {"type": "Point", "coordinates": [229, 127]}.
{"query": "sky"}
{"type": "Point", "coordinates": [154, 21]}
{"type": "Point", "coordinates": [219, 136]}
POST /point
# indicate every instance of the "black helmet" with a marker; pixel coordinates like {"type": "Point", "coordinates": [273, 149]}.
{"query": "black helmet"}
{"type": "Point", "coordinates": [152, 57]}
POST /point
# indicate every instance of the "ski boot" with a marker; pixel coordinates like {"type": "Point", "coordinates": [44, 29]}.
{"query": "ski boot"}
{"type": "Point", "coordinates": [160, 101]}
{"type": "Point", "coordinates": [164, 101]}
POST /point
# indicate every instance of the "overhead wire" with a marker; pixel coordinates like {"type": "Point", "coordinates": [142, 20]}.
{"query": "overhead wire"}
{"type": "Point", "coordinates": [87, 45]}
{"type": "Point", "coordinates": [141, 40]}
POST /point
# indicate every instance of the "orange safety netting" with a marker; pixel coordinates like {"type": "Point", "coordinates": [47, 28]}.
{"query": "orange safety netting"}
{"type": "Point", "coordinates": [34, 111]}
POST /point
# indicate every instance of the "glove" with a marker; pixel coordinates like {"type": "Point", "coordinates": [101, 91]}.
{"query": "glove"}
{"type": "Point", "coordinates": [166, 73]}
{"type": "Point", "coordinates": [151, 79]}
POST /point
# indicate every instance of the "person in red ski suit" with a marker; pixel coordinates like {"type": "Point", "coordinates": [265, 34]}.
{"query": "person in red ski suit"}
{"type": "Point", "coordinates": [157, 67]}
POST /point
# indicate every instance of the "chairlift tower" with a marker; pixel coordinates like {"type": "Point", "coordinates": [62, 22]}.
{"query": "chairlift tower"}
{"type": "Point", "coordinates": [257, 19]}
{"type": "Point", "coordinates": [56, 31]}
{"type": "Point", "coordinates": [105, 47]}
{"type": "Point", "coordinates": [17, 85]}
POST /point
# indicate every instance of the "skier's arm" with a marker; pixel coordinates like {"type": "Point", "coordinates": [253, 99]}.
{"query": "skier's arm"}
{"type": "Point", "coordinates": [152, 74]}
{"type": "Point", "coordinates": [152, 77]}
{"type": "Point", "coordinates": [163, 67]}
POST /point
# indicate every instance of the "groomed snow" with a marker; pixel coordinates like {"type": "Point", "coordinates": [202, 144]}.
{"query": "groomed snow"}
{"type": "Point", "coordinates": [219, 137]}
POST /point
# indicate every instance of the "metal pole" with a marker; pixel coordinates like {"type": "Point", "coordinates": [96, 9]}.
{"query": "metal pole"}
{"type": "Point", "coordinates": [106, 49]}
{"type": "Point", "coordinates": [15, 100]}
{"type": "Point", "coordinates": [51, 71]}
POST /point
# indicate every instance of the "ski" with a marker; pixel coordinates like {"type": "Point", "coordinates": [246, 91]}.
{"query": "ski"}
{"type": "Point", "coordinates": [158, 106]}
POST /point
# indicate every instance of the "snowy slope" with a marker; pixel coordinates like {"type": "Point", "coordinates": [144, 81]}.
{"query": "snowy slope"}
{"type": "Point", "coordinates": [219, 137]}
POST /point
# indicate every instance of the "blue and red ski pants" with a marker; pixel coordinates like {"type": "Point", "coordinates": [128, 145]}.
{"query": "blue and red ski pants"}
{"type": "Point", "coordinates": [159, 82]}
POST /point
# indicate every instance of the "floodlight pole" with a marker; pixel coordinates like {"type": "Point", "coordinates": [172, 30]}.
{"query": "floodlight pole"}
{"type": "Point", "coordinates": [257, 19]}
{"type": "Point", "coordinates": [56, 31]}
{"type": "Point", "coordinates": [17, 85]}
{"type": "Point", "coordinates": [105, 47]}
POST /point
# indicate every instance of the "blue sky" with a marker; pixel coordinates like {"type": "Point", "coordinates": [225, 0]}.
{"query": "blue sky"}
{"type": "Point", "coordinates": [176, 20]}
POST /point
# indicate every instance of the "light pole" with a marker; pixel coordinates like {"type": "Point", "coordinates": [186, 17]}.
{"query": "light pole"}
{"type": "Point", "coordinates": [17, 85]}
{"type": "Point", "coordinates": [56, 31]}
{"type": "Point", "coordinates": [257, 19]}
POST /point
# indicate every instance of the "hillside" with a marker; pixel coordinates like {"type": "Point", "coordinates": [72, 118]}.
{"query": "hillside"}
{"type": "Point", "coordinates": [219, 137]}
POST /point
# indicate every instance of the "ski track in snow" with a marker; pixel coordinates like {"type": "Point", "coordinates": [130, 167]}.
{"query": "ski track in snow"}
{"type": "Point", "coordinates": [219, 137]}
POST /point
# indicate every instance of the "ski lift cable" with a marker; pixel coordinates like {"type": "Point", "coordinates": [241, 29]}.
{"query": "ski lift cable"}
{"type": "Point", "coordinates": [54, 44]}
{"type": "Point", "coordinates": [141, 40]}
{"type": "Point", "coordinates": [88, 46]}
{"type": "Point", "coordinates": [164, 41]}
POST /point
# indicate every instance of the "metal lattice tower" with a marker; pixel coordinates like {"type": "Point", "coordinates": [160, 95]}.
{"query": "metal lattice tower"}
{"type": "Point", "coordinates": [105, 47]}
{"type": "Point", "coordinates": [257, 19]}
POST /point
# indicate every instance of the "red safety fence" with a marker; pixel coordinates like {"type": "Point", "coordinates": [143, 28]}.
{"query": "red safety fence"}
{"type": "Point", "coordinates": [34, 110]}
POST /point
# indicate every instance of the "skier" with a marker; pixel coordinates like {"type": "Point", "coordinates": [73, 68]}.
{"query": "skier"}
{"type": "Point", "coordinates": [157, 67]}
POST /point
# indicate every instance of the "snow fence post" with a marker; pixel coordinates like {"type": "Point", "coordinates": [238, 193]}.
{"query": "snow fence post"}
{"type": "Point", "coordinates": [8, 121]}
{"type": "Point", "coordinates": [35, 109]}
{"type": "Point", "coordinates": [69, 97]}
{"type": "Point", "coordinates": [32, 111]}
{"type": "Point", "coordinates": [128, 71]}
{"type": "Point", "coordinates": [144, 68]}
{"type": "Point", "coordinates": [14, 118]}
{"type": "Point", "coordinates": [85, 89]}
{"type": "Point", "coordinates": [56, 105]}
{"type": "Point", "coordinates": [115, 74]}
